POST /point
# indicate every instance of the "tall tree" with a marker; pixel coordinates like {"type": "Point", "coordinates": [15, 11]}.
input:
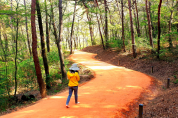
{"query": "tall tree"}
{"type": "Point", "coordinates": [106, 23]}
{"type": "Point", "coordinates": [34, 50]}
{"type": "Point", "coordinates": [123, 35]}
{"type": "Point", "coordinates": [53, 23]}
{"type": "Point", "coordinates": [132, 30]}
{"type": "Point", "coordinates": [45, 61]}
{"type": "Point", "coordinates": [138, 23]}
{"type": "Point", "coordinates": [26, 23]}
{"type": "Point", "coordinates": [159, 28]}
{"type": "Point", "coordinates": [149, 22]}
{"type": "Point", "coordinates": [63, 70]}
{"type": "Point", "coordinates": [58, 40]}
{"type": "Point", "coordinates": [90, 26]}
{"type": "Point", "coordinates": [47, 29]}
{"type": "Point", "coordinates": [71, 34]}
{"type": "Point", "coordinates": [170, 36]}
{"type": "Point", "coordinates": [95, 3]}
{"type": "Point", "coordinates": [16, 47]}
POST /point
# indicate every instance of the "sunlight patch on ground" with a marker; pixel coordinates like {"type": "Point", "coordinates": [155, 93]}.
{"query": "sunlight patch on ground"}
{"type": "Point", "coordinates": [120, 88]}
{"type": "Point", "coordinates": [57, 97]}
{"type": "Point", "coordinates": [86, 93]}
{"type": "Point", "coordinates": [84, 106]}
{"type": "Point", "coordinates": [112, 91]}
{"type": "Point", "coordinates": [102, 67]}
{"type": "Point", "coordinates": [110, 106]}
{"type": "Point", "coordinates": [68, 117]}
{"type": "Point", "coordinates": [29, 111]}
{"type": "Point", "coordinates": [136, 87]}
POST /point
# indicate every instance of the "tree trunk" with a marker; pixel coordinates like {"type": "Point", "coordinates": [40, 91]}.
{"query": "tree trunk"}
{"type": "Point", "coordinates": [149, 23]}
{"type": "Point", "coordinates": [95, 3]}
{"type": "Point", "coordinates": [159, 28]}
{"type": "Point", "coordinates": [90, 27]}
{"type": "Point", "coordinates": [64, 75]}
{"type": "Point", "coordinates": [53, 23]}
{"type": "Point", "coordinates": [45, 61]}
{"type": "Point", "coordinates": [106, 23]}
{"type": "Point", "coordinates": [123, 35]}
{"type": "Point", "coordinates": [170, 36]}
{"type": "Point", "coordinates": [34, 50]}
{"type": "Point", "coordinates": [132, 31]}
{"type": "Point", "coordinates": [135, 19]}
{"type": "Point", "coordinates": [71, 34]}
{"type": "Point", "coordinates": [138, 28]}
{"type": "Point", "coordinates": [28, 40]}
{"type": "Point", "coordinates": [16, 51]}
{"type": "Point", "coordinates": [47, 30]}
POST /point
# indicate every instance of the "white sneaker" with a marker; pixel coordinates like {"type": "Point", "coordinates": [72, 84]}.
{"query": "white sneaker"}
{"type": "Point", "coordinates": [77, 103]}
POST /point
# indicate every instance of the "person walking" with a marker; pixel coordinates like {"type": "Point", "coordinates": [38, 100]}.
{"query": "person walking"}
{"type": "Point", "coordinates": [73, 76]}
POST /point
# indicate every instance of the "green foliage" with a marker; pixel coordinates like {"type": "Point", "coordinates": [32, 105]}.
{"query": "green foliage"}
{"type": "Point", "coordinates": [176, 81]}
{"type": "Point", "coordinates": [142, 43]}
{"type": "Point", "coordinates": [115, 43]}
{"type": "Point", "coordinates": [53, 57]}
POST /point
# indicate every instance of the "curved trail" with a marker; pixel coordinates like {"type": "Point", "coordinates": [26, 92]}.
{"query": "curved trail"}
{"type": "Point", "coordinates": [103, 97]}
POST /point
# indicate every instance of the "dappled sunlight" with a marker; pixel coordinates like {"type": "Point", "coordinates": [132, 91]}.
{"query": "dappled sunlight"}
{"type": "Point", "coordinates": [86, 93]}
{"type": "Point", "coordinates": [102, 67]}
{"type": "Point", "coordinates": [68, 117]}
{"type": "Point", "coordinates": [121, 88]}
{"type": "Point", "coordinates": [30, 111]}
{"type": "Point", "coordinates": [56, 97]}
{"type": "Point", "coordinates": [110, 106]}
{"type": "Point", "coordinates": [136, 87]}
{"type": "Point", "coordinates": [83, 105]}
{"type": "Point", "coordinates": [112, 91]}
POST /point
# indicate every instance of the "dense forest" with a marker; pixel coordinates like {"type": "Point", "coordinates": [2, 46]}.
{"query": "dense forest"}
{"type": "Point", "coordinates": [35, 35]}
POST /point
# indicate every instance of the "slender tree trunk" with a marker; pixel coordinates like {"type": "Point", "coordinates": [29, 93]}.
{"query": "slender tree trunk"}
{"type": "Point", "coordinates": [28, 40]}
{"type": "Point", "coordinates": [34, 50]}
{"type": "Point", "coordinates": [47, 30]}
{"type": "Point", "coordinates": [138, 28]}
{"type": "Point", "coordinates": [16, 51]}
{"type": "Point", "coordinates": [145, 20]}
{"type": "Point", "coordinates": [123, 35]}
{"type": "Point", "coordinates": [170, 36]}
{"type": "Point", "coordinates": [95, 1]}
{"type": "Point", "coordinates": [135, 18]}
{"type": "Point", "coordinates": [100, 15]}
{"type": "Point", "coordinates": [159, 28]}
{"type": "Point", "coordinates": [71, 34]}
{"type": "Point", "coordinates": [106, 23]}
{"type": "Point", "coordinates": [63, 70]}
{"type": "Point", "coordinates": [132, 31]}
{"type": "Point", "coordinates": [149, 23]}
{"type": "Point", "coordinates": [89, 20]}
{"type": "Point", "coordinates": [45, 61]}
{"type": "Point", "coordinates": [53, 23]}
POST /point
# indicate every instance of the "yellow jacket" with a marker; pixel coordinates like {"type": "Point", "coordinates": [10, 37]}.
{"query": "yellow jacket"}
{"type": "Point", "coordinates": [73, 78]}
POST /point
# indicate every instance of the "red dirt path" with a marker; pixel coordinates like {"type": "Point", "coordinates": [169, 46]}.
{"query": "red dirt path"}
{"type": "Point", "coordinates": [105, 96]}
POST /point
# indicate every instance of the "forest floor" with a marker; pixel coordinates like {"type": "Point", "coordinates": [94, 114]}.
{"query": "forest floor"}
{"type": "Point", "coordinates": [163, 102]}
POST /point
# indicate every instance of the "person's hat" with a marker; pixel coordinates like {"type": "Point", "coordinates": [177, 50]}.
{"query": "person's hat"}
{"type": "Point", "coordinates": [74, 67]}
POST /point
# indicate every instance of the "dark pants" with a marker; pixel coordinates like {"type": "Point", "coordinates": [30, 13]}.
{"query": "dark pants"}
{"type": "Point", "coordinates": [71, 89]}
